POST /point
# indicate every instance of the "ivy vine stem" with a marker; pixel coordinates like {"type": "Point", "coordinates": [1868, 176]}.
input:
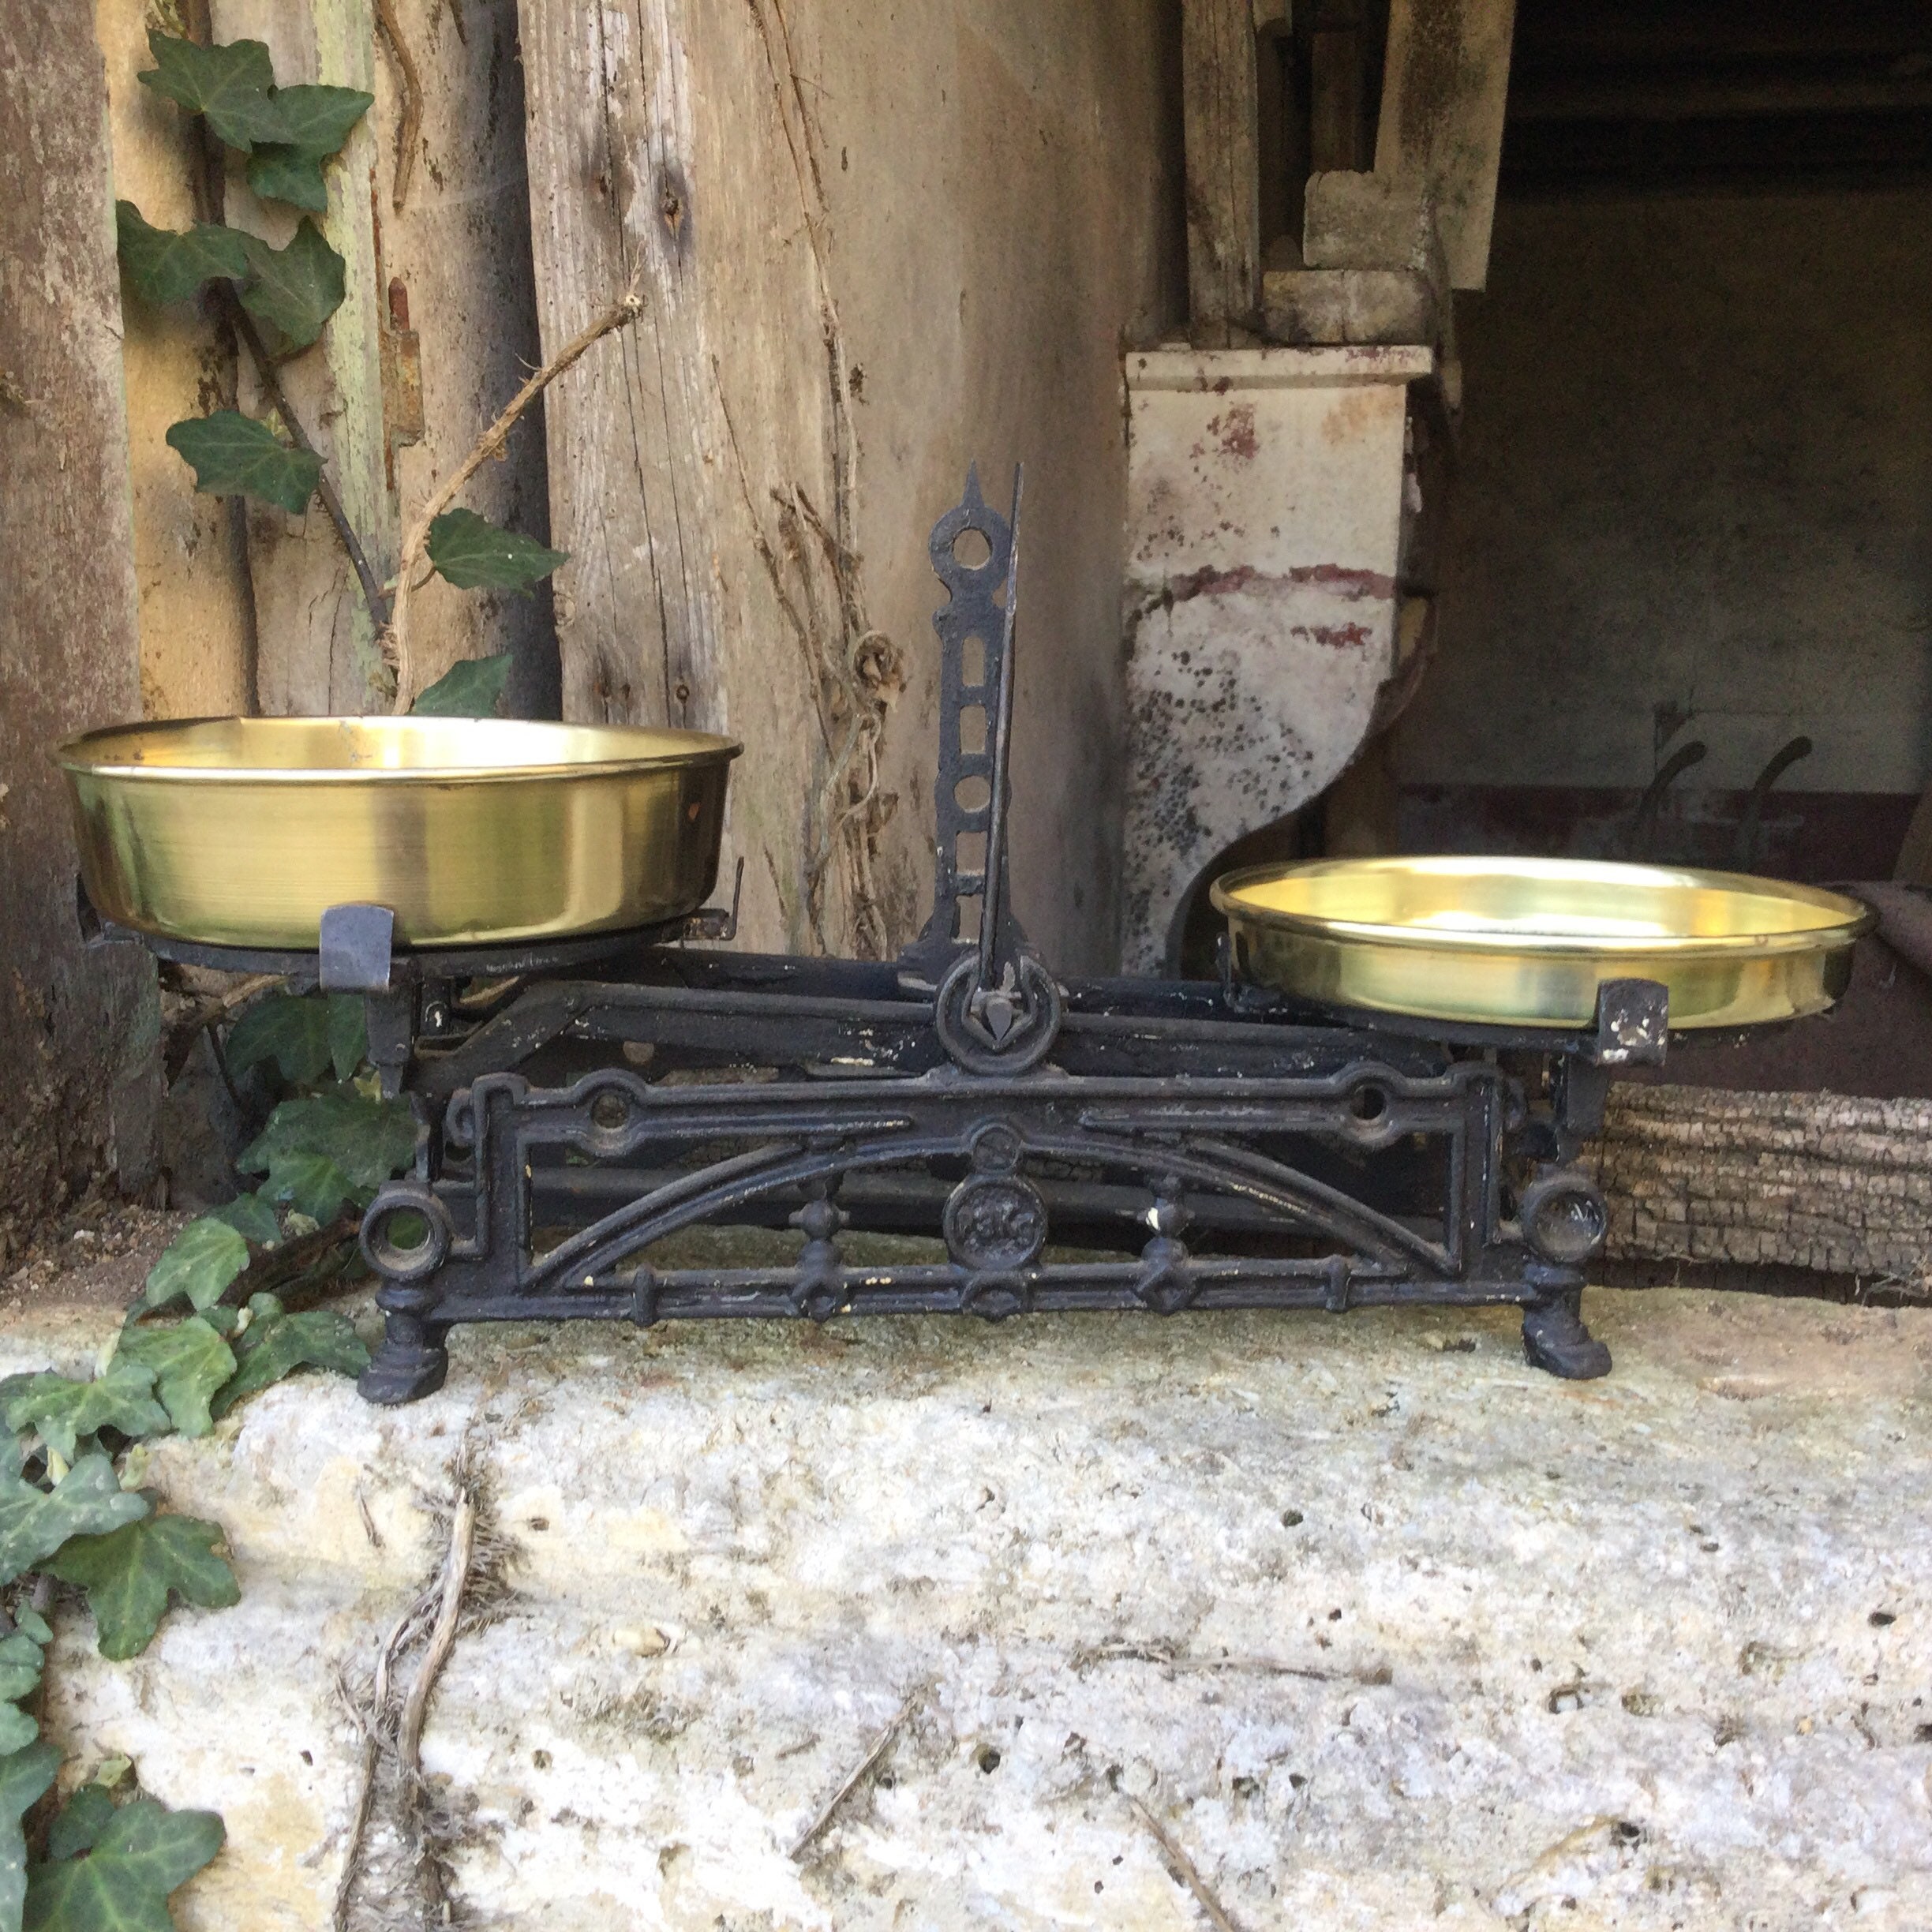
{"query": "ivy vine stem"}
{"type": "Point", "coordinates": [394, 639]}
{"type": "Point", "coordinates": [250, 338]}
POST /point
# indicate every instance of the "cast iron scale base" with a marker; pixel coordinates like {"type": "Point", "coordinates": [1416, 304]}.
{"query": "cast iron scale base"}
{"type": "Point", "coordinates": [1183, 1145]}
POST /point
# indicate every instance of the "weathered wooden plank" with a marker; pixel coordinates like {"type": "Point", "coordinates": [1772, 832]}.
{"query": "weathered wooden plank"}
{"type": "Point", "coordinates": [1337, 44]}
{"type": "Point", "coordinates": [698, 594]}
{"type": "Point", "coordinates": [635, 616]}
{"type": "Point", "coordinates": [316, 643]}
{"type": "Point", "coordinates": [1444, 90]}
{"type": "Point", "coordinates": [457, 258]}
{"type": "Point", "coordinates": [197, 616]}
{"type": "Point", "coordinates": [1220, 94]}
{"type": "Point", "coordinates": [78, 1032]}
{"type": "Point", "coordinates": [898, 240]}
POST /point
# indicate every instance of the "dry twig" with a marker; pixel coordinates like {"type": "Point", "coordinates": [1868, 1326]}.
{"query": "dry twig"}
{"type": "Point", "coordinates": [867, 1764]}
{"type": "Point", "coordinates": [366, 1799]}
{"type": "Point", "coordinates": [313, 1262]}
{"type": "Point", "coordinates": [449, 1611]}
{"type": "Point", "coordinates": [1124, 1651]}
{"type": "Point", "coordinates": [410, 129]}
{"type": "Point", "coordinates": [370, 1722]}
{"type": "Point", "coordinates": [1183, 1865]}
{"type": "Point", "coordinates": [439, 1611]}
{"type": "Point", "coordinates": [181, 1028]}
{"type": "Point", "coordinates": [396, 638]}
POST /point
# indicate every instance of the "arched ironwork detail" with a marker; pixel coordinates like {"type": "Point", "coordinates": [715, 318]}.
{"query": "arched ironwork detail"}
{"type": "Point", "coordinates": [744, 1180]}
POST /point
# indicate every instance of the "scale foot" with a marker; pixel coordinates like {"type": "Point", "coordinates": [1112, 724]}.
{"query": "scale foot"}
{"type": "Point", "coordinates": [405, 1365]}
{"type": "Point", "coordinates": [1555, 1339]}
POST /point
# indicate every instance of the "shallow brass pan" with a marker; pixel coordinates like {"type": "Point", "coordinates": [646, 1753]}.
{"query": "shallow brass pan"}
{"type": "Point", "coordinates": [1527, 941]}
{"type": "Point", "coordinates": [474, 831]}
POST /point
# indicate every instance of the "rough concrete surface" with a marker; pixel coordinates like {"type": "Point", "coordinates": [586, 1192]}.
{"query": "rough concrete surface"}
{"type": "Point", "coordinates": [1385, 1628]}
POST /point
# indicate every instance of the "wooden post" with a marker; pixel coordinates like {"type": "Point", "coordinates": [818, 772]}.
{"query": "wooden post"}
{"type": "Point", "coordinates": [197, 614]}
{"type": "Point", "coordinates": [1335, 48]}
{"type": "Point", "coordinates": [1220, 90]}
{"type": "Point", "coordinates": [663, 142]}
{"type": "Point", "coordinates": [459, 310]}
{"type": "Point", "coordinates": [1442, 95]}
{"type": "Point", "coordinates": [638, 471]}
{"type": "Point", "coordinates": [77, 1032]}
{"type": "Point", "coordinates": [316, 644]}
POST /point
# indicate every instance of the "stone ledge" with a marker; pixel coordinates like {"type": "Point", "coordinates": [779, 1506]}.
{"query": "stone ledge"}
{"type": "Point", "coordinates": [1386, 1627]}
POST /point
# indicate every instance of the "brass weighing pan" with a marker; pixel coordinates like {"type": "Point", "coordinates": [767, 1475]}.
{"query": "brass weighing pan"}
{"type": "Point", "coordinates": [1526, 942]}
{"type": "Point", "coordinates": [474, 831]}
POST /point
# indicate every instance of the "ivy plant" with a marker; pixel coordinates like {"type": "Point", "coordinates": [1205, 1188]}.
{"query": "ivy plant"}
{"type": "Point", "coordinates": [113, 1869]}
{"type": "Point", "coordinates": [331, 1139]}
{"type": "Point", "coordinates": [71, 1510]}
{"type": "Point", "coordinates": [287, 296]}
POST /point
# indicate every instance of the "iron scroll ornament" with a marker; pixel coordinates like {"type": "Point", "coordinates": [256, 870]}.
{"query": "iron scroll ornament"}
{"type": "Point", "coordinates": [997, 1009]}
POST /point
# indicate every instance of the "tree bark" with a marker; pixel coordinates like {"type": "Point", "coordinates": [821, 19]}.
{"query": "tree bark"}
{"type": "Point", "coordinates": [1812, 1181]}
{"type": "Point", "coordinates": [78, 1032]}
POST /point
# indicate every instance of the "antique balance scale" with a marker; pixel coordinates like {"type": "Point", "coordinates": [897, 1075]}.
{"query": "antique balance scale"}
{"type": "Point", "coordinates": [1382, 1099]}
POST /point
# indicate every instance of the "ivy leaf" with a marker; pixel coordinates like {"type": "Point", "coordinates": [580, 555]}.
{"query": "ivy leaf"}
{"type": "Point", "coordinates": [200, 1262]}
{"type": "Point", "coordinates": [471, 553]}
{"type": "Point", "coordinates": [78, 1828]}
{"type": "Point", "coordinates": [128, 1576]}
{"type": "Point", "coordinates": [167, 266]}
{"type": "Point", "coordinates": [230, 85]}
{"type": "Point", "coordinates": [251, 1217]}
{"type": "Point", "coordinates": [121, 1884]}
{"type": "Point", "coordinates": [121, 1398]}
{"type": "Point", "coordinates": [89, 1501]}
{"type": "Point", "coordinates": [311, 1184]}
{"type": "Point", "coordinates": [473, 688]}
{"type": "Point", "coordinates": [292, 291]}
{"type": "Point", "coordinates": [233, 455]}
{"type": "Point", "coordinates": [25, 1775]}
{"type": "Point", "coordinates": [368, 1140]}
{"type": "Point", "coordinates": [348, 1033]}
{"type": "Point", "coordinates": [275, 1344]}
{"type": "Point", "coordinates": [189, 1361]}
{"type": "Point", "coordinates": [290, 1029]}
{"type": "Point", "coordinates": [20, 1667]}
{"type": "Point", "coordinates": [21, 1663]}
{"type": "Point", "coordinates": [315, 121]}
{"type": "Point", "coordinates": [17, 1730]}
{"type": "Point", "coordinates": [281, 174]}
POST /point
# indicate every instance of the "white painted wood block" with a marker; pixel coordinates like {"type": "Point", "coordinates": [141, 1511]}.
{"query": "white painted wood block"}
{"type": "Point", "coordinates": [1264, 520]}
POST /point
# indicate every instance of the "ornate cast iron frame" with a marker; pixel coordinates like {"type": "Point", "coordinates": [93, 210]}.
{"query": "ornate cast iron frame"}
{"type": "Point", "coordinates": [1183, 1145]}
